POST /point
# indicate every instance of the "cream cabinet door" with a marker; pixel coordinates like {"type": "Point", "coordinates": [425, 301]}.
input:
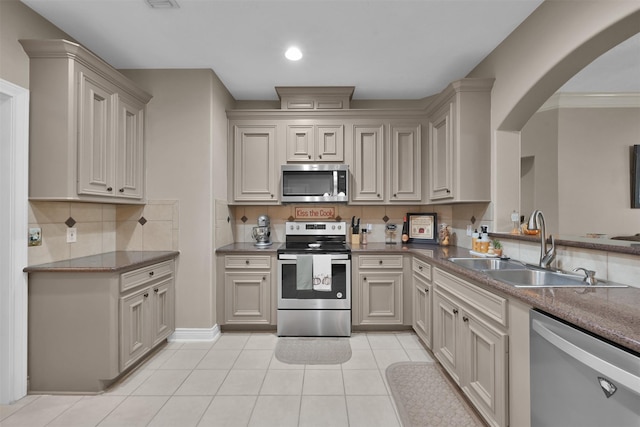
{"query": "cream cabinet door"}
{"type": "Point", "coordinates": [255, 171]}
{"type": "Point", "coordinates": [300, 143]}
{"type": "Point", "coordinates": [330, 143]}
{"type": "Point", "coordinates": [446, 342]}
{"type": "Point", "coordinates": [163, 311]}
{"type": "Point", "coordinates": [247, 297]}
{"type": "Point", "coordinates": [96, 105]}
{"type": "Point", "coordinates": [441, 144]}
{"type": "Point", "coordinates": [134, 327]}
{"type": "Point", "coordinates": [422, 309]}
{"type": "Point", "coordinates": [406, 160]}
{"type": "Point", "coordinates": [130, 149]}
{"type": "Point", "coordinates": [368, 168]}
{"type": "Point", "coordinates": [380, 298]}
{"type": "Point", "coordinates": [485, 368]}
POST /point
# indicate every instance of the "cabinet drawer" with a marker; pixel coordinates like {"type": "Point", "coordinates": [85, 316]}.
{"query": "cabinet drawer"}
{"type": "Point", "coordinates": [135, 278]}
{"type": "Point", "coordinates": [380, 261]}
{"type": "Point", "coordinates": [484, 302]}
{"type": "Point", "coordinates": [247, 261]}
{"type": "Point", "coordinates": [422, 268]}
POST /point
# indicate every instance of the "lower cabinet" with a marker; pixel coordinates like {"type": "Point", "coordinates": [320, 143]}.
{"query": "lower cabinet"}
{"type": "Point", "coordinates": [146, 318]}
{"type": "Point", "coordinates": [470, 340]}
{"type": "Point", "coordinates": [87, 328]}
{"type": "Point", "coordinates": [379, 283]}
{"type": "Point", "coordinates": [247, 289]}
{"type": "Point", "coordinates": [422, 300]}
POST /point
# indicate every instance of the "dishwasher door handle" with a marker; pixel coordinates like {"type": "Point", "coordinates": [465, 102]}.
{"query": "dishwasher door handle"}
{"type": "Point", "coordinates": [613, 373]}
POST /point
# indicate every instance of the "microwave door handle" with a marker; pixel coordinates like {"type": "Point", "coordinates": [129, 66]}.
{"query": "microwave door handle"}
{"type": "Point", "coordinates": [335, 183]}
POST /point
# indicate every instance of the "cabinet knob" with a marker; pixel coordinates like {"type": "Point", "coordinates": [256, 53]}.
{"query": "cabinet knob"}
{"type": "Point", "coordinates": [151, 273]}
{"type": "Point", "coordinates": [420, 267]}
{"type": "Point", "coordinates": [378, 196]}
{"type": "Point", "coordinates": [380, 262]}
{"type": "Point", "coordinates": [156, 290]}
{"type": "Point", "coordinates": [146, 295]}
{"type": "Point", "coordinates": [364, 278]}
{"type": "Point", "coordinates": [448, 191]}
{"type": "Point", "coordinates": [109, 189]}
{"type": "Point", "coordinates": [455, 311]}
{"type": "Point", "coordinates": [319, 156]}
{"type": "Point", "coordinates": [121, 190]}
{"type": "Point", "coordinates": [246, 262]}
{"type": "Point", "coordinates": [264, 278]}
{"type": "Point", "coordinates": [272, 196]}
{"type": "Point", "coordinates": [465, 319]}
{"type": "Point", "coordinates": [309, 156]}
{"type": "Point", "coordinates": [395, 195]}
{"type": "Point", "coordinates": [426, 290]}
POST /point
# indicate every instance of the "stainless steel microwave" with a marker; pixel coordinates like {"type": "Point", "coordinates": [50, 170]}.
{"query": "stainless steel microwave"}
{"type": "Point", "coordinates": [319, 183]}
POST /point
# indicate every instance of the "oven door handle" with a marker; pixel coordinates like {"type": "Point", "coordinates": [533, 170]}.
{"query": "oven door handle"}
{"type": "Point", "coordinates": [295, 256]}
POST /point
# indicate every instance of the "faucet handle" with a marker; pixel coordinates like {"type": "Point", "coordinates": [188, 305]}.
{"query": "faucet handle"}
{"type": "Point", "coordinates": [590, 275]}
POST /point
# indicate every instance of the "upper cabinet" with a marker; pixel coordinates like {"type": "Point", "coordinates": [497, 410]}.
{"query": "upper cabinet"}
{"type": "Point", "coordinates": [87, 127]}
{"type": "Point", "coordinates": [460, 143]}
{"type": "Point", "coordinates": [315, 142]}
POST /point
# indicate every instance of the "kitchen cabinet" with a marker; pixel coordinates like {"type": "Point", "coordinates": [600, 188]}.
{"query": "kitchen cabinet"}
{"type": "Point", "coordinates": [147, 311]}
{"type": "Point", "coordinates": [422, 300]}
{"type": "Point", "coordinates": [460, 143]}
{"type": "Point", "coordinates": [88, 328]}
{"type": "Point", "coordinates": [255, 171]}
{"type": "Point", "coordinates": [315, 143]}
{"type": "Point", "coordinates": [387, 172]}
{"type": "Point", "coordinates": [87, 141]}
{"type": "Point", "coordinates": [470, 340]}
{"type": "Point", "coordinates": [247, 289]}
{"type": "Point", "coordinates": [379, 283]}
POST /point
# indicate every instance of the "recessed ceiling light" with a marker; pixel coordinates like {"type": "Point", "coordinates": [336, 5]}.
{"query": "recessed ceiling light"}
{"type": "Point", "coordinates": [163, 4]}
{"type": "Point", "coordinates": [293, 54]}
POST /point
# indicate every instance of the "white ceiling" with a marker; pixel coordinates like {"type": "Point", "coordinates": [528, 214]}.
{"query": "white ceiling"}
{"type": "Point", "coordinates": [387, 49]}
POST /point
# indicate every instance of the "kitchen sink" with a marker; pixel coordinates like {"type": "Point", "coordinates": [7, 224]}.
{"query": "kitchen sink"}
{"type": "Point", "coordinates": [532, 278]}
{"type": "Point", "coordinates": [488, 263]}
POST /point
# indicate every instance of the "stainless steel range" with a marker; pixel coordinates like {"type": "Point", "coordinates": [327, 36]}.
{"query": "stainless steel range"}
{"type": "Point", "coordinates": [314, 280]}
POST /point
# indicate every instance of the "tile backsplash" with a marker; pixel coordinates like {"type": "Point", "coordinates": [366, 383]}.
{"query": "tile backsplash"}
{"type": "Point", "coordinates": [102, 228]}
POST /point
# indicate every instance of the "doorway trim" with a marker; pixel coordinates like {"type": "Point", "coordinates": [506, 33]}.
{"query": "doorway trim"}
{"type": "Point", "coordinates": [14, 167]}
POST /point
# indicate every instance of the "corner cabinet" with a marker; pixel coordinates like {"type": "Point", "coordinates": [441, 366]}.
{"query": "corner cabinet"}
{"type": "Point", "coordinates": [470, 339]}
{"type": "Point", "coordinates": [89, 328]}
{"type": "Point", "coordinates": [87, 133]}
{"type": "Point", "coordinates": [255, 171]}
{"type": "Point", "coordinates": [460, 143]}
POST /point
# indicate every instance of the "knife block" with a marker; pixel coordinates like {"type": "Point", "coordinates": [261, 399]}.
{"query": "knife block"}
{"type": "Point", "coordinates": [355, 239]}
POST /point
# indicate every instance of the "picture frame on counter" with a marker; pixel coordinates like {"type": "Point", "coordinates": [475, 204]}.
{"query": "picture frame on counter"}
{"type": "Point", "coordinates": [423, 227]}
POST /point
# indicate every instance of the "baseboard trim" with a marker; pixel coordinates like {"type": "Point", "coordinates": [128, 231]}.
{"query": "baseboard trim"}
{"type": "Point", "coordinates": [195, 334]}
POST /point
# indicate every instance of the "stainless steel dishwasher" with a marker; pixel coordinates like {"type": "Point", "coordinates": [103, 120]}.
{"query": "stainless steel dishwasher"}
{"type": "Point", "coordinates": [580, 380]}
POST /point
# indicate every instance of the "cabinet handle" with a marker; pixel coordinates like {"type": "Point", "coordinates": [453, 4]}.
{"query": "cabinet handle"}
{"type": "Point", "coordinates": [465, 319]}
{"type": "Point", "coordinates": [448, 191]}
{"type": "Point", "coordinates": [395, 195]}
{"type": "Point", "coordinates": [146, 295]}
{"type": "Point", "coordinates": [264, 278]}
{"type": "Point", "coordinates": [156, 290]}
{"type": "Point", "coordinates": [319, 156]}
{"type": "Point", "coordinates": [309, 155]}
{"type": "Point", "coordinates": [426, 291]}
{"type": "Point", "coordinates": [246, 262]}
{"type": "Point", "coordinates": [455, 311]}
{"type": "Point", "coordinates": [378, 196]}
{"type": "Point", "coordinates": [380, 262]}
{"type": "Point", "coordinates": [121, 190]}
{"type": "Point", "coordinates": [109, 189]}
{"type": "Point", "coordinates": [151, 273]}
{"type": "Point", "coordinates": [364, 278]}
{"type": "Point", "coordinates": [272, 196]}
{"type": "Point", "coordinates": [420, 267]}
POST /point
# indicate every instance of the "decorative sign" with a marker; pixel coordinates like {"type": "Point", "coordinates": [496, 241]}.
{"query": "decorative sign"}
{"type": "Point", "coordinates": [422, 227]}
{"type": "Point", "coordinates": [315, 213]}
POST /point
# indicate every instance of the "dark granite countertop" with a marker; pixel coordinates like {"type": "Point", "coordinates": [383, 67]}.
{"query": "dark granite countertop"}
{"type": "Point", "coordinates": [110, 262]}
{"type": "Point", "coordinates": [611, 313]}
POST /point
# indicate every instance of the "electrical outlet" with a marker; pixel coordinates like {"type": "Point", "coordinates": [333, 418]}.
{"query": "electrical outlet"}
{"type": "Point", "coordinates": [35, 236]}
{"type": "Point", "coordinates": [72, 235]}
{"type": "Point", "coordinates": [469, 229]}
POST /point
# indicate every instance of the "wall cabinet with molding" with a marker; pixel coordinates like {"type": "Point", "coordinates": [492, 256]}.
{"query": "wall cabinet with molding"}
{"type": "Point", "coordinates": [460, 143]}
{"type": "Point", "coordinates": [87, 133]}
{"type": "Point", "coordinates": [315, 143]}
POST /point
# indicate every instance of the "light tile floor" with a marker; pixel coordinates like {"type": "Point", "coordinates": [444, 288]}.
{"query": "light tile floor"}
{"type": "Point", "coordinates": [237, 381]}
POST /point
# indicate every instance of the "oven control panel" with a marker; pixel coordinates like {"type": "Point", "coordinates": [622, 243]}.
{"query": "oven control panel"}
{"type": "Point", "coordinates": [316, 228]}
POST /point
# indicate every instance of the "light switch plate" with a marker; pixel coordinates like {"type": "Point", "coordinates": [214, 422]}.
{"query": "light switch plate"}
{"type": "Point", "coordinates": [35, 236]}
{"type": "Point", "coordinates": [72, 235]}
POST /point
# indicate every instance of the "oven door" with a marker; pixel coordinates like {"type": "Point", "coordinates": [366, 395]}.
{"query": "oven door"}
{"type": "Point", "coordinates": [290, 297]}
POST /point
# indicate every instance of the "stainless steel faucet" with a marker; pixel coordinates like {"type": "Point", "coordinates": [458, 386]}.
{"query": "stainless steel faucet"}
{"type": "Point", "coordinates": [536, 222]}
{"type": "Point", "coordinates": [589, 275]}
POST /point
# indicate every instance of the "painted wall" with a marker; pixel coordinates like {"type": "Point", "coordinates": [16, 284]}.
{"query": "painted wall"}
{"type": "Point", "coordinates": [186, 139]}
{"type": "Point", "coordinates": [17, 22]}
